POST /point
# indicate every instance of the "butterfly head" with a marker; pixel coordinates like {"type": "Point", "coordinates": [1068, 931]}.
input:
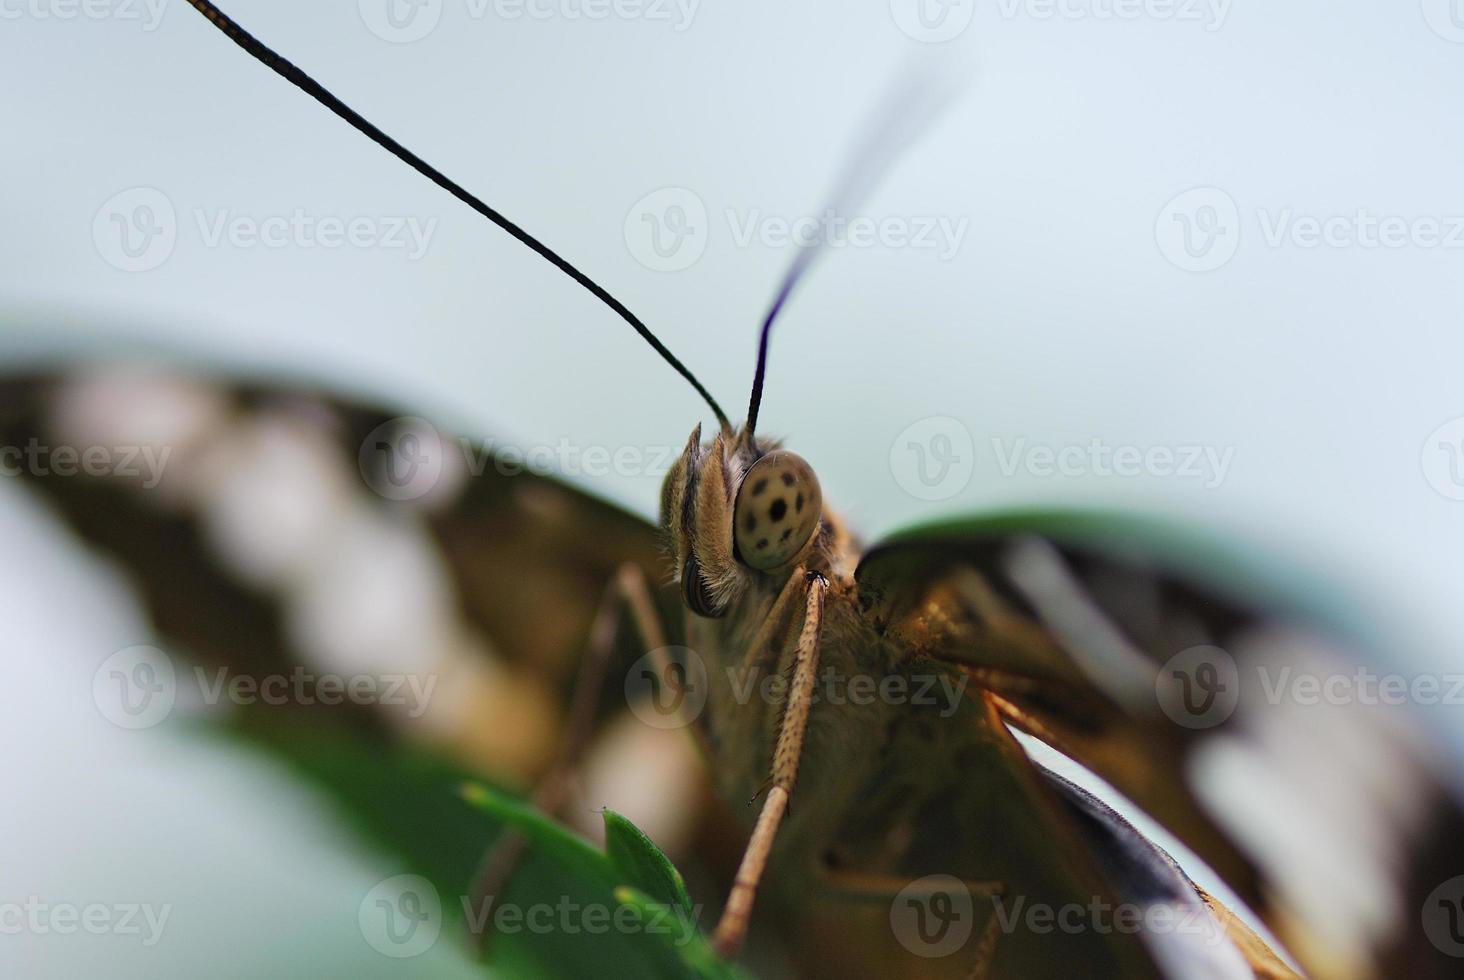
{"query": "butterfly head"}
{"type": "Point", "coordinates": [733, 511]}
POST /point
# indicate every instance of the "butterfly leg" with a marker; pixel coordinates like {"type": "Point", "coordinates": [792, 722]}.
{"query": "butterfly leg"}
{"type": "Point", "coordinates": [768, 642]}
{"type": "Point", "coordinates": [861, 887]}
{"type": "Point", "coordinates": [735, 917]}
{"type": "Point", "coordinates": [626, 590]}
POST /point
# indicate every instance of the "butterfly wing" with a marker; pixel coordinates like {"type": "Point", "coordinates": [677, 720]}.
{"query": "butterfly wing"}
{"type": "Point", "coordinates": [266, 532]}
{"type": "Point", "coordinates": [1153, 655]}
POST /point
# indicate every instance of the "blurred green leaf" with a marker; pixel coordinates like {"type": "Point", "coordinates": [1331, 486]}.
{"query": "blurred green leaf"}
{"type": "Point", "coordinates": [409, 803]}
{"type": "Point", "coordinates": [640, 864]}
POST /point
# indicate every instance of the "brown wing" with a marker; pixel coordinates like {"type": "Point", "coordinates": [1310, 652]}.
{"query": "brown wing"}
{"type": "Point", "coordinates": [1154, 659]}
{"type": "Point", "coordinates": [268, 528]}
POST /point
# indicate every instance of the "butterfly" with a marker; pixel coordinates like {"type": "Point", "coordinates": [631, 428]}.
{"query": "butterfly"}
{"type": "Point", "coordinates": [869, 700]}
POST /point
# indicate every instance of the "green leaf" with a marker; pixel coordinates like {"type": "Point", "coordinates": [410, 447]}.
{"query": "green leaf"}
{"type": "Point", "coordinates": [640, 876]}
{"type": "Point", "coordinates": [408, 803]}
{"type": "Point", "coordinates": [682, 938]}
{"type": "Point", "coordinates": [639, 863]}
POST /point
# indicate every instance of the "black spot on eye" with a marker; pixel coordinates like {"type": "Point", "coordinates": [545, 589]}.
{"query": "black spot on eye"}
{"type": "Point", "coordinates": [762, 544]}
{"type": "Point", "coordinates": [798, 504]}
{"type": "Point", "coordinates": [787, 479]}
{"type": "Point", "coordinates": [786, 535]}
{"type": "Point", "coordinates": [759, 487]}
{"type": "Point", "coordinates": [779, 508]}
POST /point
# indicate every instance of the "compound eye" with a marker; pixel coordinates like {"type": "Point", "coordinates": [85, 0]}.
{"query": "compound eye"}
{"type": "Point", "coordinates": [778, 509]}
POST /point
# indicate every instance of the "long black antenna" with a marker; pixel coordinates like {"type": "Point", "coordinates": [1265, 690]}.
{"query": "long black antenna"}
{"type": "Point", "coordinates": [790, 279]}
{"type": "Point", "coordinates": [908, 107]}
{"type": "Point", "coordinates": [319, 93]}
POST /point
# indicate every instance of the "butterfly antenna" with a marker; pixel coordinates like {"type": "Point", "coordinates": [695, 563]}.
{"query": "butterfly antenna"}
{"type": "Point", "coordinates": [292, 74]}
{"type": "Point", "coordinates": [907, 110]}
